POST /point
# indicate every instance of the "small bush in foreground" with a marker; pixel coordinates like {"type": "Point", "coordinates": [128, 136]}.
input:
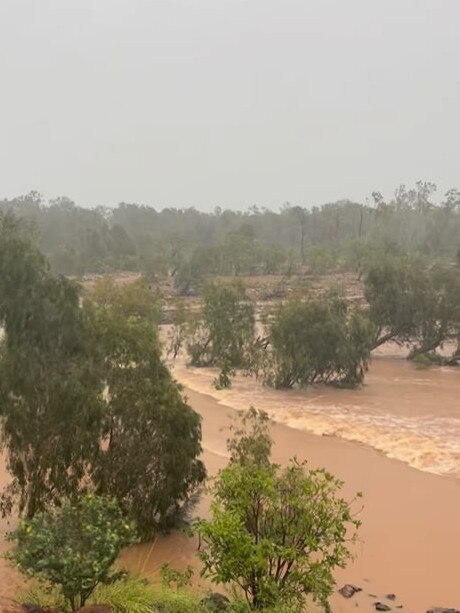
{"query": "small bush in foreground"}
{"type": "Point", "coordinates": [276, 534]}
{"type": "Point", "coordinates": [74, 547]}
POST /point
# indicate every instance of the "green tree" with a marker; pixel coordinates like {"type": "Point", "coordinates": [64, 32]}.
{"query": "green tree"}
{"type": "Point", "coordinates": [321, 340]}
{"type": "Point", "coordinates": [226, 329]}
{"type": "Point", "coordinates": [49, 390]}
{"type": "Point", "coordinates": [413, 303]}
{"type": "Point", "coordinates": [85, 396]}
{"type": "Point", "coordinates": [150, 434]}
{"type": "Point", "coordinates": [275, 533]}
{"type": "Point", "coordinates": [73, 547]}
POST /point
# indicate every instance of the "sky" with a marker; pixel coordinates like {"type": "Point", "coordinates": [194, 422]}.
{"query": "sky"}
{"type": "Point", "coordinates": [227, 102]}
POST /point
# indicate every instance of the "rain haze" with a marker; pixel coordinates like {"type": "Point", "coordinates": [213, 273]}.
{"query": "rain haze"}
{"type": "Point", "coordinates": [227, 102]}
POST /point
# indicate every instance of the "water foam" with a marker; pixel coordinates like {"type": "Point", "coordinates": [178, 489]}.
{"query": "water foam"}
{"type": "Point", "coordinates": [427, 442]}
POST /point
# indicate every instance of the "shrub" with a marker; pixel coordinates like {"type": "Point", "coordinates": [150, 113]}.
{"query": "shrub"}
{"type": "Point", "coordinates": [276, 534]}
{"type": "Point", "coordinates": [74, 547]}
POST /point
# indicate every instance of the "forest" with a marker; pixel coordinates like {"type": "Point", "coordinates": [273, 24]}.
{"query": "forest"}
{"type": "Point", "coordinates": [190, 244]}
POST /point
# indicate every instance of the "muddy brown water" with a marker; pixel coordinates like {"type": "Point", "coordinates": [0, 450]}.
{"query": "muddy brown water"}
{"type": "Point", "coordinates": [397, 440]}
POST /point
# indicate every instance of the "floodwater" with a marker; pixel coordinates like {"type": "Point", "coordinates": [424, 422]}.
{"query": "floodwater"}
{"type": "Point", "coordinates": [411, 534]}
{"type": "Point", "coordinates": [409, 414]}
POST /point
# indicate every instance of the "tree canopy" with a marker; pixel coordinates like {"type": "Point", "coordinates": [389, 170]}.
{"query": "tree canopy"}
{"type": "Point", "coordinates": [277, 534]}
{"type": "Point", "coordinates": [194, 245]}
{"type": "Point", "coordinates": [86, 397]}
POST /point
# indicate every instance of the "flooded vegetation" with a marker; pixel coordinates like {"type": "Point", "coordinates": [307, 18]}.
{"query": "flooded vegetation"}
{"type": "Point", "coordinates": [229, 331]}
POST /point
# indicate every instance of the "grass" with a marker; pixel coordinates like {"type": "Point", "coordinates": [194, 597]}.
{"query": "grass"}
{"type": "Point", "coordinates": [129, 595]}
{"type": "Point", "coordinates": [134, 595]}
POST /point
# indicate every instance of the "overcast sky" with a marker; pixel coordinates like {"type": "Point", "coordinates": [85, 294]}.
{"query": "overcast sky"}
{"type": "Point", "coordinates": [227, 102]}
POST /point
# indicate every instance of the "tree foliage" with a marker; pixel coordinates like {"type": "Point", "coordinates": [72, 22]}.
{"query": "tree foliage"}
{"type": "Point", "coordinates": [49, 390]}
{"type": "Point", "coordinates": [86, 397]}
{"type": "Point", "coordinates": [191, 245]}
{"type": "Point", "coordinates": [276, 533]}
{"type": "Point", "coordinates": [225, 332]}
{"type": "Point", "coordinates": [414, 303]}
{"type": "Point", "coordinates": [320, 340]}
{"type": "Point", "coordinates": [73, 547]}
{"type": "Point", "coordinates": [151, 436]}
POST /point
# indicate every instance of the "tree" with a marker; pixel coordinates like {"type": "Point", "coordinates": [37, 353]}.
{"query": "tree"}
{"type": "Point", "coordinates": [49, 390]}
{"type": "Point", "coordinates": [389, 286]}
{"type": "Point", "coordinates": [277, 534]}
{"type": "Point", "coordinates": [321, 340]}
{"type": "Point", "coordinates": [226, 330]}
{"type": "Point", "coordinates": [73, 547]}
{"type": "Point", "coordinates": [85, 396]}
{"type": "Point", "coordinates": [149, 459]}
{"type": "Point", "coordinates": [411, 302]}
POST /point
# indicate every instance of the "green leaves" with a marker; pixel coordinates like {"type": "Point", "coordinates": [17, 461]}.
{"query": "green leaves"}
{"type": "Point", "coordinates": [50, 394]}
{"type": "Point", "coordinates": [275, 533]}
{"type": "Point", "coordinates": [152, 437]}
{"type": "Point", "coordinates": [226, 332]}
{"type": "Point", "coordinates": [85, 396]}
{"type": "Point", "coordinates": [319, 340]}
{"type": "Point", "coordinates": [73, 547]}
{"type": "Point", "coordinates": [414, 303]}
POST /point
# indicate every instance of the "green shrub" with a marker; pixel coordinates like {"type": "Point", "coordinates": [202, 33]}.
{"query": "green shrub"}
{"type": "Point", "coordinates": [177, 601]}
{"type": "Point", "coordinates": [72, 548]}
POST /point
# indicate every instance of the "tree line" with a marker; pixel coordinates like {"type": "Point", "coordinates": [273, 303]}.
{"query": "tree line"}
{"type": "Point", "coordinates": [323, 338]}
{"type": "Point", "coordinates": [189, 244]}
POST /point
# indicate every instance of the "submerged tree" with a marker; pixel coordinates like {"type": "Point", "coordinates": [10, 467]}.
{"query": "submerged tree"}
{"type": "Point", "coordinates": [320, 340]}
{"type": "Point", "coordinates": [277, 534]}
{"type": "Point", "coordinates": [225, 332]}
{"type": "Point", "coordinates": [413, 303]}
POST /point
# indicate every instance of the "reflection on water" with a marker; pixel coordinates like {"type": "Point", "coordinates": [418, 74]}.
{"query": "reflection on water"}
{"type": "Point", "coordinates": [408, 414]}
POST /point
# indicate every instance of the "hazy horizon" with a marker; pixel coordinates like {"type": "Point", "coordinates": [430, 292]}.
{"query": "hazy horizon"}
{"type": "Point", "coordinates": [227, 102]}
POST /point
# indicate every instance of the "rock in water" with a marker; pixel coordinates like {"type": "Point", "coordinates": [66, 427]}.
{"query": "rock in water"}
{"type": "Point", "coordinates": [349, 590]}
{"type": "Point", "coordinates": [380, 606]}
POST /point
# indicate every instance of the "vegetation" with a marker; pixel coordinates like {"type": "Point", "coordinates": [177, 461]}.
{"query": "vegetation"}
{"type": "Point", "coordinates": [74, 547]}
{"type": "Point", "coordinates": [129, 594]}
{"type": "Point", "coordinates": [224, 335]}
{"type": "Point", "coordinates": [321, 340]}
{"type": "Point", "coordinates": [275, 533]}
{"type": "Point", "coordinates": [150, 433]}
{"type": "Point", "coordinates": [192, 245]}
{"type": "Point", "coordinates": [86, 397]}
{"type": "Point", "coordinates": [414, 304]}
{"type": "Point", "coordinates": [50, 393]}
